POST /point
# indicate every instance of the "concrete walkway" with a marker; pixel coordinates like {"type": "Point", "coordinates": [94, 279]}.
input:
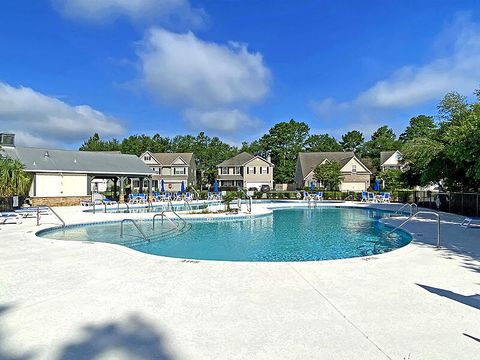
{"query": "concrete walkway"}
{"type": "Point", "coordinates": [75, 300]}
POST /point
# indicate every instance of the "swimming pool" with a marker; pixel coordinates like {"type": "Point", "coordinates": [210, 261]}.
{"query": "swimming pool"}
{"type": "Point", "coordinates": [290, 234]}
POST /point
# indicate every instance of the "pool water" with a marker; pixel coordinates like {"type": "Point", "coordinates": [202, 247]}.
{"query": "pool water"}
{"type": "Point", "coordinates": [293, 234]}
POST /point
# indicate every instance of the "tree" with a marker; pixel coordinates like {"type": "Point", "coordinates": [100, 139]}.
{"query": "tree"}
{"type": "Point", "coordinates": [94, 143]}
{"type": "Point", "coordinates": [383, 139]}
{"type": "Point", "coordinates": [321, 143]}
{"type": "Point", "coordinates": [283, 142]}
{"type": "Point", "coordinates": [14, 180]}
{"type": "Point", "coordinates": [391, 178]}
{"type": "Point", "coordinates": [420, 126]}
{"type": "Point", "coordinates": [352, 141]}
{"type": "Point", "coordinates": [329, 175]}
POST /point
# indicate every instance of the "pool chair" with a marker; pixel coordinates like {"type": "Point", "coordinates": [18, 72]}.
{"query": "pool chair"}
{"type": "Point", "coordinates": [306, 196]}
{"type": "Point", "coordinates": [364, 196]}
{"type": "Point", "coordinates": [168, 196]}
{"type": "Point", "coordinates": [32, 211]}
{"type": "Point", "coordinates": [371, 197]}
{"type": "Point", "coordinates": [188, 197]}
{"type": "Point", "coordinates": [318, 196]}
{"type": "Point", "coordinates": [10, 217]}
{"type": "Point", "coordinates": [107, 201]}
{"type": "Point", "coordinates": [386, 197]}
{"type": "Point", "coordinates": [471, 222]}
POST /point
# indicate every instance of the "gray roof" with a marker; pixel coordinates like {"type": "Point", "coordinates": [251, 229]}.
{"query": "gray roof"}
{"type": "Point", "coordinates": [169, 158]}
{"type": "Point", "coordinates": [310, 160]}
{"type": "Point", "coordinates": [90, 162]}
{"type": "Point", "coordinates": [385, 155]}
{"type": "Point", "coordinates": [241, 159]}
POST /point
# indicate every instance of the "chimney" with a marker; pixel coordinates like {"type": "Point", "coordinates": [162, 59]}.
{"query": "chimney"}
{"type": "Point", "coordinates": [7, 140]}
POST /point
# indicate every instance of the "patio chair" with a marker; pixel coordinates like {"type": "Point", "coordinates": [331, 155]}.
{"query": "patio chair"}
{"type": "Point", "coordinates": [168, 196]}
{"type": "Point", "coordinates": [6, 217]}
{"type": "Point", "coordinates": [386, 197]}
{"type": "Point", "coordinates": [108, 201]}
{"type": "Point", "coordinates": [188, 197]}
{"type": "Point", "coordinates": [371, 197]}
{"type": "Point", "coordinates": [364, 196]}
{"type": "Point", "coordinates": [319, 196]}
{"type": "Point", "coordinates": [306, 196]}
{"type": "Point", "coordinates": [32, 211]}
{"type": "Point", "coordinates": [470, 222]}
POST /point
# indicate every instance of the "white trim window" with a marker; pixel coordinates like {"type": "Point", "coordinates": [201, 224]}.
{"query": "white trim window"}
{"type": "Point", "coordinates": [354, 168]}
{"type": "Point", "coordinates": [236, 170]}
{"type": "Point", "coordinates": [224, 170]}
{"type": "Point", "coordinates": [264, 170]}
{"type": "Point", "coordinates": [179, 171]}
{"type": "Point", "coordinates": [147, 158]}
{"type": "Point", "coordinates": [251, 170]}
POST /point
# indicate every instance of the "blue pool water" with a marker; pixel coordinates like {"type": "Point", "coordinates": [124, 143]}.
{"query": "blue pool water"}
{"type": "Point", "coordinates": [293, 234]}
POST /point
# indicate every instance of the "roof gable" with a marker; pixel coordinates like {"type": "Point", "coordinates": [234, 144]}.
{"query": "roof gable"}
{"type": "Point", "coordinates": [167, 159]}
{"type": "Point", "coordinates": [387, 155]}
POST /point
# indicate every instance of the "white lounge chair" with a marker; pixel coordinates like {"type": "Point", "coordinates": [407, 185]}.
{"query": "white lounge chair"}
{"type": "Point", "coordinates": [469, 221]}
{"type": "Point", "coordinates": [7, 217]}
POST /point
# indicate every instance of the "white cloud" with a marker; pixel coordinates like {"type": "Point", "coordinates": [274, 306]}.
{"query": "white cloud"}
{"type": "Point", "coordinates": [172, 11]}
{"type": "Point", "coordinates": [410, 87]}
{"type": "Point", "coordinates": [183, 69]}
{"type": "Point", "coordinates": [38, 119]}
{"type": "Point", "coordinates": [223, 121]}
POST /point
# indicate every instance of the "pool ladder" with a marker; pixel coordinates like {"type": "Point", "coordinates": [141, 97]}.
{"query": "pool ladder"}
{"type": "Point", "coordinates": [411, 206]}
{"type": "Point", "coordinates": [52, 211]}
{"type": "Point", "coordinates": [437, 215]}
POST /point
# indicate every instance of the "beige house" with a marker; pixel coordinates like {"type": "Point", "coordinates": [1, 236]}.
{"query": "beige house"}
{"type": "Point", "coordinates": [246, 171]}
{"type": "Point", "coordinates": [173, 168]}
{"type": "Point", "coordinates": [356, 176]}
{"type": "Point", "coordinates": [390, 160]}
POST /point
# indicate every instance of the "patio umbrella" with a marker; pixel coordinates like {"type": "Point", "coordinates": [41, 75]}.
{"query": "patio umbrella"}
{"type": "Point", "coordinates": [312, 185]}
{"type": "Point", "coordinates": [215, 186]}
{"type": "Point", "coordinates": [376, 187]}
{"type": "Point", "coordinates": [182, 188]}
{"type": "Point", "coordinates": [163, 186]}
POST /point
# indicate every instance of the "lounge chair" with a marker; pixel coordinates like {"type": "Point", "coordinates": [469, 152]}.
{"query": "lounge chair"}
{"type": "Point", "coordinates": [371, 197]}
{"type": "Point", "coordinates": [319, 196]}
{"type": "Point", "coordinates": [364, 196]}
{"type": "Point", "coordinates": [306, 196]}
{"type": "Point", "coordinates": [108, 201]}
{"type": "Point", "coordinates": [188, 197]}
{"type": "Point", "coordinates": [386, 197]}
{"type": "Point", "coordinates": [470, 221]}
{"type": "Point", "coordinates": [32, 211]}
{"type": "Point", "coordinates": [6, 217]}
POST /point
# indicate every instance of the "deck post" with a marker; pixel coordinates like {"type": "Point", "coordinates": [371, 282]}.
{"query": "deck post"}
{"type": "Point", "coordinates": [121, 199]}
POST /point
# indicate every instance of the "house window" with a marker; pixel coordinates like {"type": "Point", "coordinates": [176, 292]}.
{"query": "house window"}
{"type": "Point", "coordinates": [236, 171]}
{"type": "Point", "coordinates": [251, 170]}
{"type": "Point", "coordinates": [264, 170]}
{"type": "Point", "coordinates": [147, 158]}
{"type": "Point", "coordinates": [224, 171]}
{"type": "Point", "coordinates": [178, 171]}
{"type": "Point", "coordinates": [136, 183]}
{"type": "Point", "coordinates": [354, 169]}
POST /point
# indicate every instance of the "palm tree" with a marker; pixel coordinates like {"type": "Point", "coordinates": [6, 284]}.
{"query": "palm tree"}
{"type": "Point", "coordinates": [13, 178]}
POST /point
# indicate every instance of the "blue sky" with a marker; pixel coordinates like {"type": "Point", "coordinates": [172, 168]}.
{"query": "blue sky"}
{"type": "Point", "coordinates": [69, 68]}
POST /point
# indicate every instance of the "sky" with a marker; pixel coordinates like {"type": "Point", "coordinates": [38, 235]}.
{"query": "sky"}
{"type": "Point", "coordinates": [231, 68]}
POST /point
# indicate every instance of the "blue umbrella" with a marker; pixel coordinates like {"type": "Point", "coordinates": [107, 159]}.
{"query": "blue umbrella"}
{"type": "Point", "coordinates": [312, 185]}
{"type": "Point", "coordinates": [376, 187]}
{"type": "Point", "coordinates": [163, 186]}
{"type": "Point", "coordinates": [182, 188]}
{"type": "Point", "coordinates": [215, 186]}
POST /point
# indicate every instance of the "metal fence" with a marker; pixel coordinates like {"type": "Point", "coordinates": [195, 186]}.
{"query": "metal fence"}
{"type": "Point", "coordinates": [467, 204]}
{"type": "Point", "coordinates": [6, 203]}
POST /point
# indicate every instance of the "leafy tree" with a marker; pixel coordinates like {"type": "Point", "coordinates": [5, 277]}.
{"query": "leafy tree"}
{"type": "Point", "coordinates": [14, 180]}
{"type": "Point", "coordinates": [452, 106]}
{"type": "Point", "coordinates": [94, 143]}
{"type": "Point", "coordinates": [383, 139]}
{"type": "Point", "coordinates": [321, 143]}
{"type": "Point", "coordinates": [352, 140]}
{"type": "Point", "coordinates": [329, 175]}
{"type": "Point", "coordinates": [420, 126]}
{"type": "Point", "coordinates": [392, 179]}
{"type": "Point", "coordinates": [284, 141]}
{"type": "Point", "coordinates": [255, 148]}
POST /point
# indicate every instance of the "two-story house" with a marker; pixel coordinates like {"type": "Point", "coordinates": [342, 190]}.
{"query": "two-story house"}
{"type": "Point", "coordinates": [172, 168]}
{"type": "Point", "coordinates": [356, 175]}
{"type": "Point", "coordinates": [246, 171]}
{"type": "Point", "coordinates": [390, 160]}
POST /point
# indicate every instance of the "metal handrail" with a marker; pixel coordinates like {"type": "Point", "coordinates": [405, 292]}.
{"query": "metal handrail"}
{"type": "Point", "coordinates": [410, 206]}
{"type": "Point", "coordinates": [249, 199]}
{"type": "Point", "coordinates": [189, 206]}
{"type": "Point", "coordinates": [197, 194]}
{"type": "Point", "coordinates": [162, 214]}
{"type": "Point", "coordinates": [136, 225]}
{"type": "Point", "coordinates": [414, 215]}
{"type": "Point", "coordinates": [53, 212]}
{"type": "Point", "coordinates": [349, 196]}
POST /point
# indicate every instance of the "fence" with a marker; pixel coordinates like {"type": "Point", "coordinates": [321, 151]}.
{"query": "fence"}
{"type": "Point", "coordinates": [6, 203]}
{"type": "Point", "coordinates": [467, 204]}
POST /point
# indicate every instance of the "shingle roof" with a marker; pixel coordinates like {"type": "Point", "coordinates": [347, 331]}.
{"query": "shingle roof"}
{"type": "Point", "coordinates": [238, 160]}
{"type": "Point", "coordinates": [169, 158]}
{"type": "Point", "coordinates": [91, 162]}
{"type": "Point", "coordinates": [310, 160]}
{"type": "Point", "coordinates": [385, 155]}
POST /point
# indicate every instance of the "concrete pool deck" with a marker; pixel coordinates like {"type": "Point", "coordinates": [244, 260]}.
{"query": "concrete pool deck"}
{"type": "Point", "coordinates": [83, 300]}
